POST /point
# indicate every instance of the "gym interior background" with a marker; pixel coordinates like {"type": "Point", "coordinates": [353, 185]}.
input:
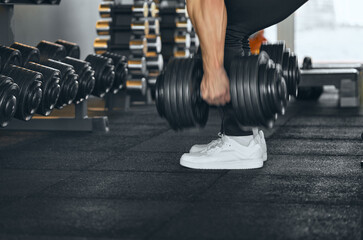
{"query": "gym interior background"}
{"type": "Point", "coordinates": [103, 164]}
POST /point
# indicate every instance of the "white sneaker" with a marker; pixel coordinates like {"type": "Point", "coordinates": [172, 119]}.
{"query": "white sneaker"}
{"type": "Point", "coordinates": [226, 154]}
{"type": "Point", "coordinates": [260, 138]}
{"type": "Point", "coordinates": [258, 135]}
{"type": "Point", "coordinates": [200, 147]}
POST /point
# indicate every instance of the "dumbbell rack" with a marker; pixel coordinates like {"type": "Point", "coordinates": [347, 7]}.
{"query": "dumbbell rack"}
{"type": "Point", "coordinates": [80, 121]}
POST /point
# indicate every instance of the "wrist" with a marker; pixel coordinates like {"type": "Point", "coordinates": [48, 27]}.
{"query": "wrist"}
{"type": "Point", "coordinates": [213, 62]}
{"type": "Point", "coordinates": [213, 71]}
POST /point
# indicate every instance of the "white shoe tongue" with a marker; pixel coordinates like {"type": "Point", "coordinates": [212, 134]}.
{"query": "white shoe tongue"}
{"type": "Point", "coordinates": [243, 140]}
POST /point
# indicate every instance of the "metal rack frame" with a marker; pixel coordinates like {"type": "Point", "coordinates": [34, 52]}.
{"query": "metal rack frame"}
{"type": "Point", "coordinates": [80, 122]}
{"type": "Point", "coordinates": [346, 80]}
{"type": "Point", "coordinates": [11, 2]}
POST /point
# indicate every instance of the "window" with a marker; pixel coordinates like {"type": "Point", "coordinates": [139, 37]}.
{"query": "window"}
{"type": "Point", "coordinates": [330, 30]}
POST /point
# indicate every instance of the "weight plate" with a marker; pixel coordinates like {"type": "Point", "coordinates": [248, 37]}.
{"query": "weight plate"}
{"type": "Point", "coordinates": [233, 88]}
{"type": "Point", "coordinates": [285, 70]}
{"type": "Point", "coordinates": [255, 90]}
{"type": "Point", "coordinates": [263, 91]}
{"type": "Point", "coordinates": [187, 97]}
{"type": "Point", "coordinates": [200, 107]}
{"type": "Point", "coordinates": [179, 94]}
{"type": "Point", "coordinates": [280, 100]}
{"type": "Point", "coordinates": [167, 104]}
{"type": "Point", "coordinates": [271, 88]}
{"type": "Point", "coordinates": [253, 69]}
{"type": "Point", "coordinates": [279, 51]}
{"type": "Point", "coordinates": [295, 71]}
{"type": "Point", "coordinates": [270, 69]}
{"type": "Point", "coordinates": [178, 65]}
{"type": "Point", "coordinates": [159, 94]}
{"type": "Point", "coordinates": [240, 72]}
{"type": "Point", "coordinates": [184, 100]}
{"type": "Point", "coordinates": [188, 90]}
{"type": "Point", "coordinates": [249, 63]}
{"type": "Point", "coordinates": [284, 92]}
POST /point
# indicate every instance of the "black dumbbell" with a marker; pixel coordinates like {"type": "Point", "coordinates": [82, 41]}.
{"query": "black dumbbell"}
{"type": "Point", "coordinates": [100, 45]}
{"type": "Point", "coordinates": [183, 24]}
{"type": "Point", "coordinates": [139, 9]}
{"type": "Point", "coordinates": [140, 27]}
{"type": "Point", "coordinates": [182, 39]}
{"type": "Point", "coordinates": [137, 84]}
{"type": "Point", "coordinates": [86, 79]}
{"type": "Point", "coordinates": [68, 82]}
{"type": "Point", "coordinates": [154, 61]}
{"type": "Point", "coordinates": [51, 55]}
{"type": "Point", "coordinates": [141, 45]}
{"type": "Point", "coordinates": [9, 93]}
{"type": "Point", "coordinates": [153, 43]}
{"type": "Point", "coordinates": [121, 71]}
{"type": "Point", "coordinates": [105, 9]}
{"type": "Point", "coordinates": [289, 62]}
{"type": "Point", "coordinates": [50, 50]}
{"type": "Point", "coordinates": [180, 52]}
{"type": "Point", "coordinates": [50, 87]}
{"type": "Point", "coordinates": [151, 81]}
{"type": "Point", "coordinates": [86, 75]}
{"type": "Point", "coordinates": [30, 96]}
{"type": "Point", "coordinates": [137, 66]}
{"type": "Point", "coordinates": [309, 93]}
{"type": "Point", "coordinates": [9, 56]}
{"type": "Point", "coordinates": [138, 45]}
{"type": "Point", "coordinates": [258, 92]}
{"type": "Point", "coordinates": [72, 49]}
{"type": "Point", "coordinates": [28, 53]}
{"type": "Point", "coordinates": [154, 26]}
{"type": "Point", "coordinates": [136, 27]}
{"type": "Point", "coordinates": [104, 73]}
{"type": "Point", "coordinates": [50, 80]}
{"type": "Point", "coordinates": [167, 13]}
{"type": "Point", "coordinates": [103, 27]}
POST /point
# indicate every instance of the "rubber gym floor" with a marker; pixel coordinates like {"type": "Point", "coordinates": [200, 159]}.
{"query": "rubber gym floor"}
{"type": "Point", "coordinates": [128, 184]}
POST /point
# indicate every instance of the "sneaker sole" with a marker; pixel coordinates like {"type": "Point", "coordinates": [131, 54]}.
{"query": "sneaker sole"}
{"type": "Point", "coordinates": [264, 157]}
{"type": "Point", "coordinates": [245, 164]}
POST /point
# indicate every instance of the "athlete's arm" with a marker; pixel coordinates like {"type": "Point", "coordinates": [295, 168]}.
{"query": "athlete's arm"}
{"type": "Point", "coordinates": [209, 18]}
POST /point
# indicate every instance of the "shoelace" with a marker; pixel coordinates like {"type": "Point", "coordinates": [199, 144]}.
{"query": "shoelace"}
{"type": "Point", "coordinates": [216, 141]}
{"type": "Point", "coordinates": [217, 145]}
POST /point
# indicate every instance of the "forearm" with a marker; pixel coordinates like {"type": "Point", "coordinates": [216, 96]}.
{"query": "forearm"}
{"type": "Point", "coordinates": [209, 18]}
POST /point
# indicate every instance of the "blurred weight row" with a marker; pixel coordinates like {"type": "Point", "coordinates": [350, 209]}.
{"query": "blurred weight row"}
{"type": "Point", "coordinates": [52, 75]}
{"type": "Point", "coordinates": [148, 32]}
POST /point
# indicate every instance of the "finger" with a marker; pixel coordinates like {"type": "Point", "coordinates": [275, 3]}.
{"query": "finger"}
{"type": "Point", "coordinates": [218, 102]}
{"type": "Point", "coordinates": [228, 98]}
